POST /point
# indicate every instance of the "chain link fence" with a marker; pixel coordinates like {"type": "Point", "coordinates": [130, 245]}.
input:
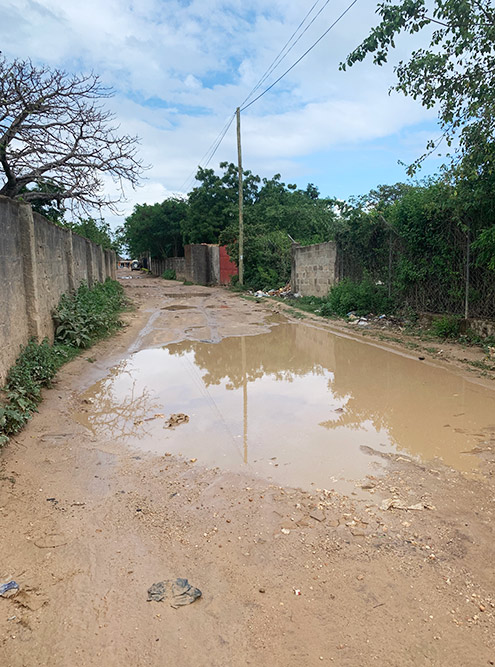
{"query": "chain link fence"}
{"type": "Point", "coordinates": [440, 276]}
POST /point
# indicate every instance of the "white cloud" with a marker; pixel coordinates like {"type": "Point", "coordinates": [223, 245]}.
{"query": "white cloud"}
{"type": "Point", "coordinates": [196, 61]}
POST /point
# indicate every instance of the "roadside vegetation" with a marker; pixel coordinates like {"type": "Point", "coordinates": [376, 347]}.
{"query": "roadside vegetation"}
{"type": "Point", "coordinates": [169, 274]}
{"type": "Point", "coordinates": [81, 319]}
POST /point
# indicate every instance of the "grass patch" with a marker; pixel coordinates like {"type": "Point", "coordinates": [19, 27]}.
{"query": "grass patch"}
{"type": "Point", "coordinates": [81, 319]}
{"type": "Point", "coordinates": [169, 274]}
{"type": "Point", "coordinates": [296, 313]}
{"type": "Point", "coordinates": [448, 326]}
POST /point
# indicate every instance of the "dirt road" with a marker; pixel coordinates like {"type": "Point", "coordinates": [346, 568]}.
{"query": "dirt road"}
{"type": "Point", "coordinates": [399, 574]}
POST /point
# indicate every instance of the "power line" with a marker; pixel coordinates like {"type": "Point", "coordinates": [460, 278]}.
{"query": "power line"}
{"type": "Point", "coordinates": [303, 56]}
{"type": "Point", "coordinates": [278, 59]}
{"type": "Point", "coordinates": [218, 140]}
{"type": "Point", "coordinates": [210, 152]}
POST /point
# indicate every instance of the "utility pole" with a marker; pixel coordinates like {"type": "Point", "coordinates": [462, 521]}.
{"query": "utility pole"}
{"type": "Point", "coordinates": [241, 199]}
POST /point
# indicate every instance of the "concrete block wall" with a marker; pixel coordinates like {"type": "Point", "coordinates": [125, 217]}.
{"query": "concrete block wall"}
{"type": "Point", "coordinates": [177, 264]}
{"type": "Point", "coordinates": [202, 264]}
{"type": "Point", "coordinates": [39, 262]}
{"type": "Point", "coordinates": [313, 270]}
{"type": "Point", "coordinates": [213, 276]}
{"type": "Point", "coordinates": [196, 256]}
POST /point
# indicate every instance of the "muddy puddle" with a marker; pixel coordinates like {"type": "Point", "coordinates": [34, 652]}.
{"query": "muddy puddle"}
{"type": "Point", "coordinates": [299, 405]}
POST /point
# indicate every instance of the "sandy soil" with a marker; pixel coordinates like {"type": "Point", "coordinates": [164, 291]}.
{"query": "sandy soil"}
{"type": "Point", "coordinates": [88, 526]}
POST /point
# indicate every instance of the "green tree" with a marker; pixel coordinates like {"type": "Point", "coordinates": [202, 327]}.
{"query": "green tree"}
{"type": "Point", "coordinates": [156, 228]}
{"type": "Point", "coordinates": [97, 231]}
{"type": "Point", "coordinates": [275, 216]}
{"type": "Point", "coordinates": [214, 203]}
{"type": "Point", "coordinates": [455, 73]}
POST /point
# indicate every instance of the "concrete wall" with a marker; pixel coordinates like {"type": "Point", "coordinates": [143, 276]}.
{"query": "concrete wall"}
{"type": "Point", "coordinates": [213, 276]}
{"type": "Point", "coordinates": [313, 269]}
{"type": "Point", "coordinates": [38, 263]}
{"type": "Point", "coordinates": [196, 256]}
{"type": "Point", "coordinates": [177, 264]}
{"type": "Point", "coordinates": [202, 264]}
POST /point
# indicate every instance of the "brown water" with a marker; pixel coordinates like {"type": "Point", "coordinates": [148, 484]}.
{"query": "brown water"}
{"type": "Point", "coordinates": [295, 405]}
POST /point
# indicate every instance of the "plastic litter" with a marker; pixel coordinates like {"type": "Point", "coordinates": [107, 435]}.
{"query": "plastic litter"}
{"type": "Point", "coordinates": [178, 592]}
{"type": "Point", "coordinates": [9, 586]}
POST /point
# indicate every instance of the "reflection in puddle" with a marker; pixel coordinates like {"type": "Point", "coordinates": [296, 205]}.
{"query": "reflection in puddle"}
{"type": "Point", "coordinates": [296, 405]}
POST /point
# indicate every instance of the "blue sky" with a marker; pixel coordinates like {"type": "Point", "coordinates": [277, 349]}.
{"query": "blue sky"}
{"type": "Point", "coordinates": [179, 69]}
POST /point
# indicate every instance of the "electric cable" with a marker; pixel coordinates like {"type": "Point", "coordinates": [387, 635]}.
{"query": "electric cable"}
{"type": "Point", "coordinates": [210, 152]}
{"type": "Point", "coordinates": [278, 59]}
{"type": "Point", "coordinates": [301, 57]}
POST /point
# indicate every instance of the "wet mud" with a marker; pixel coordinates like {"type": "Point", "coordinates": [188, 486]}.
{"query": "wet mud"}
{"type": "Point", "coordinates": [332, 500]}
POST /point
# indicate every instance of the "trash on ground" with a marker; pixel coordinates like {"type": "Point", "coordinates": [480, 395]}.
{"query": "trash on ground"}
{"type": "Point", "coordinates": [8, 587]}
{"type": "Point", "coordinates": [297, 591]}
{"type": "Point", "coordinates": [285, 531]}
{"type": "Point", "coordinates": [178, 592]}
{"type": "Point", "coordinates": [391, 503]}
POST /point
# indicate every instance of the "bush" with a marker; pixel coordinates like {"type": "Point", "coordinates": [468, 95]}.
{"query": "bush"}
{"type": "Point", "coordinates": [448, 326]}
{"type": "Point", "coordinates": [89, 314]}
{"type": "Point", "coordinates": [359, 297]}
{"type": "Point", "coordinates": [33, 370]}
{"type": "Point", "coordinates": [81, 318]}
{"type": "Point", "coordinates": [169, 274]}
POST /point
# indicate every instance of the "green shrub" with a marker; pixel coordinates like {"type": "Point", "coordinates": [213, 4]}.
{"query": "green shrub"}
{"type": "Point", "coordinates": [169, 274]}
{"type": "Point", "coordinates": [33, 370]}
{"type": "Point", "coordinates": [359, 297]}
{"type": "Point", "coordinates": [81, 318]}
{"type": "Point", "coordinates": [88, 314]}
{"type": "Point", "coordinates": [448, 326]}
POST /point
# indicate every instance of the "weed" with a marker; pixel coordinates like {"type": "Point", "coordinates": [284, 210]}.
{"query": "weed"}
{"type": "Point", "coordinates": [81, 318]}
{"type": "Point", "coordinates": [169, 274]}
{"type": "Point", "coordinates": [187, 282]}
{"type": "Point", "coordinates": [88, 314]}
{"type": "Point", "coordinates": [447, 326]}
{"type": "Point", "coordinates": [296, 313]}
{"type": "Point", "coordinates": [33, 370]}
{"type": "Point", "coordinates": [359, 297]}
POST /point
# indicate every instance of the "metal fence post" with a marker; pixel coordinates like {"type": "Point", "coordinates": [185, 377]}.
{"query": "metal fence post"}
{"type": "Point", "coordinates": [466, 295]}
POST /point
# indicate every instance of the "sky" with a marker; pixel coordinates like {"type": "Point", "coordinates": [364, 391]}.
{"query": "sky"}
{"type": "Point", "coordinates": [179, 69]}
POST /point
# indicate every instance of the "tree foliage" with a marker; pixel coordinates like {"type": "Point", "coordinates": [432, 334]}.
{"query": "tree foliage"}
{"type": "Point", "coordinates": [455, 73]}
{"type": "Point", "coordinates": [156, 228]}
{"type": "Point", "coordinates": [214, 203]}
{"type": "Point", "coordinates": [57, 141]}
{"type": "Point", "coordinates": [97, 231]}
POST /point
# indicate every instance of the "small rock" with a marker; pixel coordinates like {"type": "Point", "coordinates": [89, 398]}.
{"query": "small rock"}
{"type": "Point", "coordinates": [317, 514]}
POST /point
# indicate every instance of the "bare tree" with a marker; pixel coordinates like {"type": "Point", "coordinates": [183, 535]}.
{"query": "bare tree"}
{"type": "Point", "coordinates": [57, 141]}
